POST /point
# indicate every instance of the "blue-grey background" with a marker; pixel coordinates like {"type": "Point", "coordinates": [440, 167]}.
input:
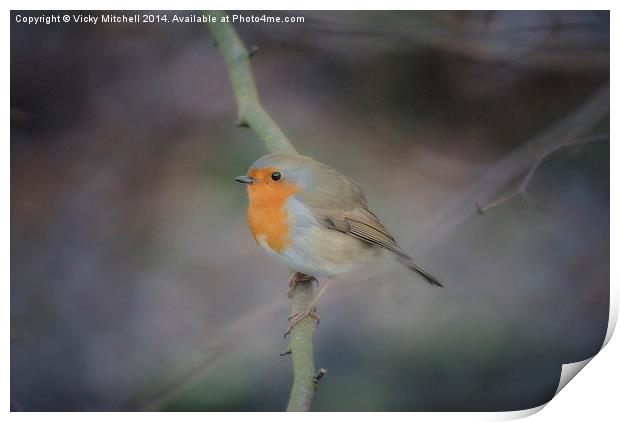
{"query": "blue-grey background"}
{"type": "Point", "coordinates": [135, 283]}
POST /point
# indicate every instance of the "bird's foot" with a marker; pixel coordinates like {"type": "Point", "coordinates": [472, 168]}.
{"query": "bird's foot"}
{"type": "Point", "coordinates": [298, 277]}
{"type": "Point", "coordinates": [297, 317]}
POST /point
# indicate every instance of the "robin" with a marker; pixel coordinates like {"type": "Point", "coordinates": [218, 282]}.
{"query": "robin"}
{"type": "Point", "coordinates": [316, 221]}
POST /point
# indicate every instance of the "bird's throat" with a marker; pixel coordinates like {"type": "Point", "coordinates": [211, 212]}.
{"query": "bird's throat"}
{"type": "Point", "coordinates": [267, 215]}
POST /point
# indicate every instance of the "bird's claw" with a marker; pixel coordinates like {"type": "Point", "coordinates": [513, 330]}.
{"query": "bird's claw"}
{"type": "Point", "coordinates": [297, 317]}
{"type": "Point", "coordinates": [298, 278]}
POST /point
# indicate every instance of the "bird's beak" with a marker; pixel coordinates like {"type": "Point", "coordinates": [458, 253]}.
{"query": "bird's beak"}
{"type": "Point", "coordinates": [244, 179]}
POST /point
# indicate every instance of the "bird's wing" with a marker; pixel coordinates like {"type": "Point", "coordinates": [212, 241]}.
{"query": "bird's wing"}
{"type": "Point", "coordinates": [338, 203]}
{"type": "Point", "coordinates": [362, 224]}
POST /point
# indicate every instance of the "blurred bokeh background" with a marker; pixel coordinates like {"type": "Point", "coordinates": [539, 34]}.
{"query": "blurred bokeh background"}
{"type": "Point", "coordinates": [135, 283]}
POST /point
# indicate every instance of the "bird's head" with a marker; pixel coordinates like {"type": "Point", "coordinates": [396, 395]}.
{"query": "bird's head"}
{"type": "Point", "coordinates": [276, 176]}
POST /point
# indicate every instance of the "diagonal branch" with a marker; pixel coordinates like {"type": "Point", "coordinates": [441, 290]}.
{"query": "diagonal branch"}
{"type": "Point", "coordinates": [250, 110]}
{"type": "Point", "coordinates": [252, 115]}
{"type": "Point", "coordinates": [521, 188]}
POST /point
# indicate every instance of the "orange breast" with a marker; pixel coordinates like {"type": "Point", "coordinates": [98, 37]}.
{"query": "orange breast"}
{"type": "Point", "coordinates": [267, 216]}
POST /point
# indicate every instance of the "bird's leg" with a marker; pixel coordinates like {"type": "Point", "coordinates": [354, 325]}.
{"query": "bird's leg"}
{"type": "Point", "coordinates": [296, 278]}
{"type": "Point", "coordinates": [312, 304]}
{"type": "Point", "coordinates": [310, 311]}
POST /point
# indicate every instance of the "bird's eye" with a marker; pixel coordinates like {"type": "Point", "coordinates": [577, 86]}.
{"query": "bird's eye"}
{"type": "Point", "coordinates": [276, 175]}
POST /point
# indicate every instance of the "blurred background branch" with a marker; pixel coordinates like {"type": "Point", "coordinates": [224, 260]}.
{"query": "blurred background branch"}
{"type": "Point", "coordinates": [525, 181]}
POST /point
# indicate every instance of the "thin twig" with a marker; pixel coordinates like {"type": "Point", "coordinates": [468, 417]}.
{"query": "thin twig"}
{"type": "Point", "coordinates": [252, 115]}
{"type": "Point", "coordinates": [521, 188]}
{"type": "Point", "coordinates": [317, 378]}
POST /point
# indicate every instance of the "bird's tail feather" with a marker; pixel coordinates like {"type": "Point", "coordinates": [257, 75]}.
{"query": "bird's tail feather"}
{"type": "Point", "coordinates": [408, 262]}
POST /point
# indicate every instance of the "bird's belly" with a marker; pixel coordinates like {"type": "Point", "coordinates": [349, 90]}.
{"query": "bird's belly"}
{"type": "Point", "coordinates": [313, 249]}
{"type": "Point", "coordinates": [321, 252]}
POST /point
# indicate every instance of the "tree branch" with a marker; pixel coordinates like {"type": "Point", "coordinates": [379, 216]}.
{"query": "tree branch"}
{"type": "Point", "coordinates": [300, 346]}
{"type": "Point", "coordinates": [252, 115]}
{"type": "Point", "coordinates": [250, 111]}
{"type": "Point", "coordinates": [521, 189]}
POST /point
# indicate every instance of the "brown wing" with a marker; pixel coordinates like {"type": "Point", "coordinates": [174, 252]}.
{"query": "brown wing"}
{"type": "Point", "coordinates": [339, 204]}
{"type": "Point", "coordinates": [362, 224]}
